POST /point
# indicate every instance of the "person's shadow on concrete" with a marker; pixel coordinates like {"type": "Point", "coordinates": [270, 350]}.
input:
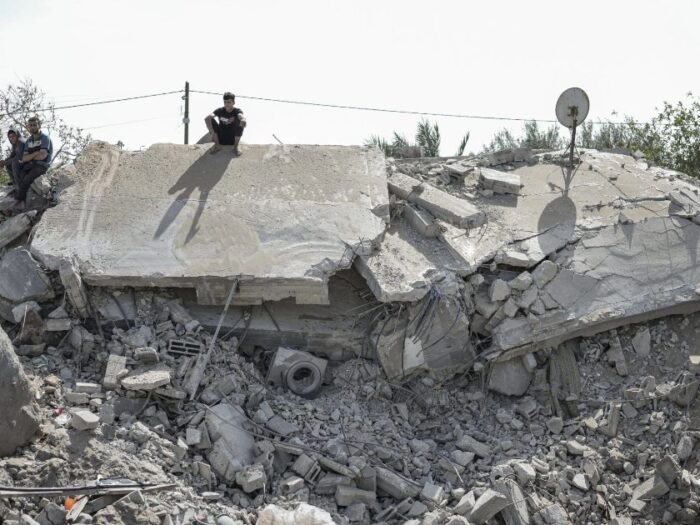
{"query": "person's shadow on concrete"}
{"type": "Point", "coordinates": [205, 173]}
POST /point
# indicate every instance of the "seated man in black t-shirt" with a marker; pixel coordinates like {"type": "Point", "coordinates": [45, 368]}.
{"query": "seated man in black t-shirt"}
{"type": "Point", "coordinates": [229, 129]}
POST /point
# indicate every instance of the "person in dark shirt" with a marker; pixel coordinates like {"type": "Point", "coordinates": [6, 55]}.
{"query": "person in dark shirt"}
{"type": "Point", "coordinates": [36, 159]}
{"type": "Point", "coordinates": [13, 163]}
{"type": "Point", "coordinates": [229, 128]}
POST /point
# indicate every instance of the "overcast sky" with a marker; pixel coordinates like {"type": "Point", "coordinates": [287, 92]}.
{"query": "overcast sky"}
{"type": "Point", "coordinates": [507, 59]}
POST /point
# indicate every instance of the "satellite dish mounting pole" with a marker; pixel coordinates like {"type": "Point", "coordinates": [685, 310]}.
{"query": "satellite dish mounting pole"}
{"type": "Point", "coordinates": [574, 113]}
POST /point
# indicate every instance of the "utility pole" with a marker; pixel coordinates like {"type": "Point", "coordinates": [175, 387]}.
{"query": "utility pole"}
{"type": "Point", "coordinates": [186, 118]}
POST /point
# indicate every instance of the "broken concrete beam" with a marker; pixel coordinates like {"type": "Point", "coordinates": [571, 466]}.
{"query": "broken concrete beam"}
{"type": "Point", "coordinates": [500, 182]}
{"type": "Point", "coordinates": [469, 444]}
{"type": "Point", "coordinates": [21, 419]}
{"type": "Point", "coordinates": [346, 496]}
{"type": "Point", "coordinates": [394, 485]}
{"type": "Point", "coordinates": [22, 279]}
{"type": "Point", "coordinates": [515, 513]}
{"type": "Point", "coordinates": [334, 203]}
{"type": "Point", "coordinates": [457, 211]}
{"type": "Point", "coordinates": [146, 379]}
{"type": "Point", "coordinates": [14, 227]}
{"type": "Point", "coordinates": [75, 290]}
{"type": "Point", "coordinates": [422, 221]}
{"type": "Point", "coordinates": [654, 487]}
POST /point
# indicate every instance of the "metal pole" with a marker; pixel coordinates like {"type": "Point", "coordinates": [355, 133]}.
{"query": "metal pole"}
{"type": "Point", "coordinates": [573, 143]}
{"type": "Point", "coordinates": [186, 118]}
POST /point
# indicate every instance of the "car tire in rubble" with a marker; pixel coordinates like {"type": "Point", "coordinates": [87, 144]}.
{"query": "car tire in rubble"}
{"type": "Point", "coordinates": [304, 379]}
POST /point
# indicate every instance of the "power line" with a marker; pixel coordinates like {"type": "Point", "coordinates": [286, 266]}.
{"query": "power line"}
{"type": "Point", "coordinates": [101, 102]}
{"type": "Point", "coordinates": [399, 111]}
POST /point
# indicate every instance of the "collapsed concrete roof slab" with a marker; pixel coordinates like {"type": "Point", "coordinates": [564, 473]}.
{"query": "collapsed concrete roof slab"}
{"type": "Point", "coordinates": [556, 204]}
{"type": "Point", "coordinates": [617, 275]}
{"type": "Point", "coordinates": [610, 242]}
{"type": "Point", "coordinates": [282, 218]}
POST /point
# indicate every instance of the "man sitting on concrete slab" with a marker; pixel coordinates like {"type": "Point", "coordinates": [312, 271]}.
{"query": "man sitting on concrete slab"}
{"type": "Point", "coordinates": [229, 129]}
{"type": "Point", "coordinates": [36, 159]}
{"type": "Point", "coordinates": [13, 163]}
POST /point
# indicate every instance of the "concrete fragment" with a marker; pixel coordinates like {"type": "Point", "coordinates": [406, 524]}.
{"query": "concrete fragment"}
{"type": "Point", "coordinates": [346, 495]}
{"type": "Point", "coordinates": [57, 325]}
{"type": "Point", "coordinates": [465, 504]}
{"type": "Point", "coordinates": [668, 469]}
{"type": "Point", "coordinates": [500, 182]}
{"type": "Point", "coordinates": [84, 420]}
{"type": "Point", "coordinates": [499, 290]}
{"type": "Point", "coordinates": [515, 513]}
{"type": "Point", "coordinates": [14, 227]}
{"type": "Point", "coordinates": [641, 342]}
{"type": "Point", "coordinates": [397, 487]}
{"type": "Point", "coordinates": [544, 273]}
{"type": "Point", "coordinates": [328, 483]}
{"type": "Point", "coordinates": [654, 487]}
{"type": "Point", "coordinates": [422, 221]}
{"type": "Point", "coordinates": [432, 493]}
{"type": "Point", "coordinates": [510, 377]}
{"type": "Point", "coordinates": [116, 369]}
{"type": "Point", "coordinates": [20, 420]}
{"type": "Point", "coordinates": [487, 506]}
{"type": "Point", "coordinates": [75, 290]}
{"type": "Point", "coordinates": [251, 478]}
{"type": "Point", "coordinates": [21, 278]}
{"type": "Point", "coordinates": [457, 211]}
{"type": "Point", "coordinates": [146, 380]}
{"type": "Point", "coordinates": [469, 444]}
{"type": "Point", "coordinates": [522, 282]}
{"type": "Point", "coordinates": [524, 472]}
{"type": "Point", "coordinates": [234, 448]}
{"type": "Point", "coordinates": [20, 311]}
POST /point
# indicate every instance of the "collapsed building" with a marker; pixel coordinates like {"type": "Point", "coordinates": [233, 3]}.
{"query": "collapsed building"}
{"type": "Point", "coordinates": [493, 270]}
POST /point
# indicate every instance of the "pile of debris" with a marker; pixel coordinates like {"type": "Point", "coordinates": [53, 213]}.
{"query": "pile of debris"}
{"type": "Point", "coordinates": [153, 404]}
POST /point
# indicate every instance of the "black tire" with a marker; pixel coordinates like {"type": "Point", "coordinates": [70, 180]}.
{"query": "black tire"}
{"type": "Point", "coordinates": [304, 379]}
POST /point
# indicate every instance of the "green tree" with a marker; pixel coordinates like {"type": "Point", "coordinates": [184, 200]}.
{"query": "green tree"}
{"type": "Point", "coordinates": [670, 140]}
{"type": "Point", "coordinates": [532, 137]}
{"type": "Point", "coordinates": [427, 137]}
{"type": "Point", "coordinates": [20, 101]}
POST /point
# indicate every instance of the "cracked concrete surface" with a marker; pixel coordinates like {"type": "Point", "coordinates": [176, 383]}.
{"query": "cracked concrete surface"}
{"type": "Point", "coordinates": [284, 218]}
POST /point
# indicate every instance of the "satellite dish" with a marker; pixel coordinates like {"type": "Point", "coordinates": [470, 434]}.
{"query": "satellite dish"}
{"type": "Point", "coordinates": [572, 107]}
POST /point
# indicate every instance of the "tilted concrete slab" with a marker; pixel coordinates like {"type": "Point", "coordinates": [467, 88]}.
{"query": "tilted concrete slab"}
{"type": "Point", "coordinates": [282, 218]}
{"type": "Point", "coordinates": [624, 237]}
{"type": "Point", "coordinates": [407, 264]}
{"type": "Point", "coordinates": [612, 277]}
{"type": "Point", "coordinates": [459, 212]}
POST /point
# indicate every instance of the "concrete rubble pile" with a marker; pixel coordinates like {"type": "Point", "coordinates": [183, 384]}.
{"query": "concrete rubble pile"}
{"type": "Point", "coordinates": [490, 340]}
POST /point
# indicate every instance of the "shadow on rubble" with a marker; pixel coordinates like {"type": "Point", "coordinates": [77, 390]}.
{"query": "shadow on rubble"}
{"type": "Point", "coordinates": [557, 223]}
{"type": "Point", "coordinates": [204, 174]}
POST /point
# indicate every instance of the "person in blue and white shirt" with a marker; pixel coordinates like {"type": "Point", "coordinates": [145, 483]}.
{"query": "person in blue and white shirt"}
{"type": "Point", "coordinates": [36, 159]}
